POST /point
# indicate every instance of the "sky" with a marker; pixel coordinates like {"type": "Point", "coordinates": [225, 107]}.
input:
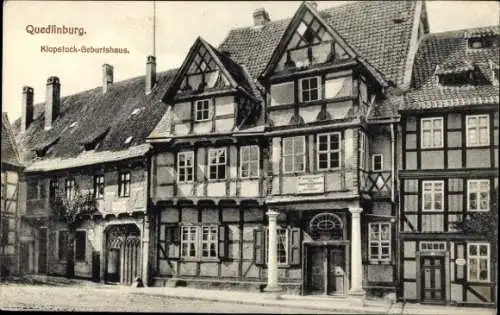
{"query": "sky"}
{"type": "Point", "coordinates": [129, 24]}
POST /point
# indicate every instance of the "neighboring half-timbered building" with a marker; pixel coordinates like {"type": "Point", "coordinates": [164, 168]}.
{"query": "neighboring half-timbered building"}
{"type": "Point", "coordinates": [92, 143]}
{"type": "Point", "coordinates": [9, 213]}
{"type": "Point", "coordinates": [449, 167]}
{"type": "Point", "coordinates": [274, 165]}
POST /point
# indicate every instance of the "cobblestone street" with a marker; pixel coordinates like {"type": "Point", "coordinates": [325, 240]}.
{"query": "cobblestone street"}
{"type": "Point", "coordinates": [115, 299]}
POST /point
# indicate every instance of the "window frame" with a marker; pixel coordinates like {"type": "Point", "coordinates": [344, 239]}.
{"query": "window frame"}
{"type": "Point", "coordinates": [187, 155]}
{"type": "Point", "coordinates": [477, 129]}
{"type": "Point", "coordinates": [433, 192]}
{"type": "Point", "coordinates": [432, 130]}
{"type": "Point", "coordinates": [286, 232]}
{"type": "Point", "coordinates": [432, 244]}
{"type": "Point", "coordinates": [124, 182]}
{"type": "Point", "coordinates": [318, 88]}
{"type": "Point", "coordinates": [329, 150]}
{"type": "Point", "coordinates": [478, 192]}
{"type": "Point", "coordinates": [374, 156]}
{"type": "Point", "coordinates": [478, 257]}
{"type": "Point", "coordinates": [69, 189]}
{"type": "Point", "coordinates": [217, 164]}
{"type": "Point", "coordinates": [53, 188]}
{"type": "Point", "coordinates": [98, 185]}
{"type": "Point", "coordinates": [198, 241]}
{"type": "Point", "coordinates": [293, 154]}
{"type": "Point", "coordinates": [379, 243]}
{"type": "Point", "coordinates": [250, 162]}
{"type": "Point", "coordinates": [202, 110]}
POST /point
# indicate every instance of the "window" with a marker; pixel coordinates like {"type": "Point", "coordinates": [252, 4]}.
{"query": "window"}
{"type": "Point", "coordinates": [189, 241]}
{"type": "Point", "coordinates": [432, 246]}
{"type": "Point", "coordinates": [202, 110]}
{"type": "Point", "coordinates": [432, 132]}
{"type": "Point", "coordinates": [32, 188]}
{"type": "Point", "coordinates": [124, 184]}
{"type": "Point", "coordinates": [478, 130]}
{"type": "Point", "coordinates": [478, 262]}
{"type": "Point", "coordinates": [328, 151]}
{"type": "Point", "coordinates": [294, 158]}
{"type": "Point", "coordinates": [185, 166]}
{"type": "Point", "coordinates": [362, 149]}
{"type": "Point", "coordinates": [80, 245]}
{"type": "Point", "coordinates": [377, 162]}
{"type": "Point", "coordinates": [282, 251]}
{"type": "Point", "coordinates": [62, 245]}
{"type": "Point", "coordinates": [380, 241]}
{"type": "Point", "coordinates": [249, 157]}
{"type": "Point", "coordinates": [478, 197]}
{"type": "Point", "coordinates": [209, 241]}
{"type": "Point", "coordinates": [195, 237]}
{"type": "Point", "coordinates": [4, 232]}
{"type": "Point", "coordinates": [36, 189]}
{"type": "Point", "coordinates": [54, 186]}
{"type": "Point", "coordinates": [432, 198]}
{"type": "Point", "coordinates": [70, 189]}
{"type": "Point", "coordinates": [217, 163]}
{"type": "Point", "coordinates": [98, 186]}
{"type": "Point", "coordinates": [310, 89]}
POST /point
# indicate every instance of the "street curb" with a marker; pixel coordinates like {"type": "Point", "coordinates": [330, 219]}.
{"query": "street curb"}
{"type": "Point", "coordinates": [277, 302]}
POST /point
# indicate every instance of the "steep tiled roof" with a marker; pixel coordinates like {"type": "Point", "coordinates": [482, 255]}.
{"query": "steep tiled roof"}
{"type": "Point", "coordinates": [444, 53]}
{"type": "Point", "coordinates": [9, 150]}
{"type": "Point", "coordinates": [368, 26]}
{"type": "Point", "coordinates": [124, 109]}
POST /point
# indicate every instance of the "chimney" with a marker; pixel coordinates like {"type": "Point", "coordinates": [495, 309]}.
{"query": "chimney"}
{"type": "Point", "coordinates": [260, 17]}
{"type": "Point", "coordinates": [150, 74]}
{"type": "Point", "coordinates": [313, 4]}
{"type": "Point", "coordinates": [27, 110]}
{"type": "Point", "coordinates": [52, 101]}
{"type": "Point", "coordinates": [107, 76]}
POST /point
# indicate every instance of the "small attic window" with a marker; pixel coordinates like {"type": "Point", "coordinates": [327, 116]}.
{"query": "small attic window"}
{"type": "Point", "coordinates": [128, 140]}
{"type": "Point", "coordinates": [74, 124]}
{"type": "Point", "coordinates": [480, 42]}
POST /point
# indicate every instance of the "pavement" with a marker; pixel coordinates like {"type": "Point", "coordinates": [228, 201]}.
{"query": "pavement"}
{"type": "Point", "coordinates": [319, 303]}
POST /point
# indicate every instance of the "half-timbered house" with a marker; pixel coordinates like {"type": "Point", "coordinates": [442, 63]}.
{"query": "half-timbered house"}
{"type": "Point", "coordinates": [9, 212]}
{"type": "Point", "coordinates": [449, 167]}
{"type": "Point", "coordinates": [274, 165]}
{"type": "Point", "coordinates": [91, 142]}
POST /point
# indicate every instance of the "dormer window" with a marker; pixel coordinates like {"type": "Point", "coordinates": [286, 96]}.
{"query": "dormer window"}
{"type": "Point", "coordinates": [460, 73]}
{"type": "Point", "coordinates": [92, 141]}
{"type": "Point", "coordinates": [480, 42]}
{"type": "Point", "coordinates": [128, 140]}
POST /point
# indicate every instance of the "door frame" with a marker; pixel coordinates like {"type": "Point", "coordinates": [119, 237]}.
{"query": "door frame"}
{"type": "Point", "coordinates": [308, 244]}
{"type": "Point", "coordinates": [46, 250]}
{"type": "Point", "coordinates": [446, 270]}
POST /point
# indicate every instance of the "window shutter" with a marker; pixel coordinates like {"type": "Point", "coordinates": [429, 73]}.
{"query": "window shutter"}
{"type": "Point", "coordinates": [295, 243]}
{"type": "Point", "coordinates": [259, 246]}
{"type": "Point", "coordinates": [223, 242]}
{"type": "Point", "coordinates": [172, 247]}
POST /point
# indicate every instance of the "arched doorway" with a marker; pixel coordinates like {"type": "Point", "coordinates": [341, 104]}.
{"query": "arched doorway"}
{"type": "Point", "coordinates": [326, 256]}
{"type": "Point", "coordinates": [123, 253]}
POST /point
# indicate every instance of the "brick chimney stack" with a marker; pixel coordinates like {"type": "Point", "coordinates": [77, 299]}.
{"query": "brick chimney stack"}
{"type": "Point", "coordinates": [27, 109]}
{"type": "Point", "coordinates": [150, 74]}
{"type": "Point", "coordinates": [260, 17]}
{"type": "Point", "coordinates": [52, 101]}
{"type": "Point", "coordinates": [107, 77]}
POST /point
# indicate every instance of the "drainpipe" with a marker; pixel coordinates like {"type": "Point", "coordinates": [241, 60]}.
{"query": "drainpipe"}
{"type": "Point", "coordinates": [393, 161]}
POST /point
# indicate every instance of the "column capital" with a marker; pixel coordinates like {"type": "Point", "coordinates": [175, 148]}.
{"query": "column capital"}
{"type": "Point", "coordinates": [272, 213]}
{"type": "Point", "coordinates": [356, 210]}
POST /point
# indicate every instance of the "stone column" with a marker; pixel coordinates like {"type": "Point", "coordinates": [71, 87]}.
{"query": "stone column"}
{"type": "Point", "coordinates": [145, 251]}
{"type": "Point", "coordinates": [272, 250]}
{"type": "Point", "coordinates": [356, 262]}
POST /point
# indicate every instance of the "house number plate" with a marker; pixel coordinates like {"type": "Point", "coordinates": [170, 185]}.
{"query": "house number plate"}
{"type": "Point", "coordinates": [460, 262]}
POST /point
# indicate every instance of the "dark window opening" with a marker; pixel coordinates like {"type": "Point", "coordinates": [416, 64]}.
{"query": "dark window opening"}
{"type": "Point", "coordinates": [124, 184]}
{"type": "Point", "coordinates": [80, 245]}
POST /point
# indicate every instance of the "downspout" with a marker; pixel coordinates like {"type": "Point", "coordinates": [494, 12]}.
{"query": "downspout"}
{"type": "Point", "coordinates": [393, 161]}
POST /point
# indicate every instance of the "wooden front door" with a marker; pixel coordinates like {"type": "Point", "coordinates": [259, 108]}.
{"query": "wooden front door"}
{"type": "Point", "coordinates": [42, 250]}
{"type": "Point", "coordinates": [432, 279]}
{"type": "Point", "coordinates": [25, 257]}
{"type": "Point", "coordinates": [336, 270]}
{"type": "Point", "coordinates": [113, 270]}
{"type": "Point", "coordinates": [326, 272]}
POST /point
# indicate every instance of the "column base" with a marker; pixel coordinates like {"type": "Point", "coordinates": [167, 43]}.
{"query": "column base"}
{"type": "Point", "coordinates": [273, 292]}
{"type": "Point", "coordinates": [357, 297]}
{"type": "Point", "coordinates": [273, 288]}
